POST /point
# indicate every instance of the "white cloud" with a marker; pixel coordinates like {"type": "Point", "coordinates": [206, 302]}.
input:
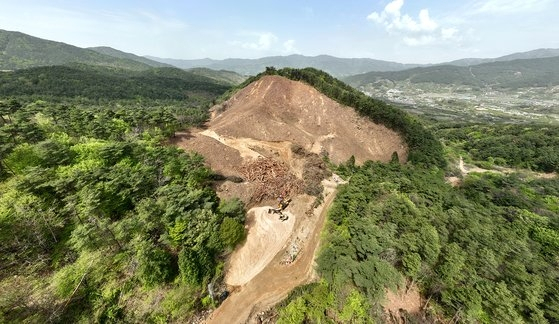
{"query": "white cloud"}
{"type": "Point", "coordinates": [510, 6]}
{"type": "Point", "coordinates": [391, 17]}
{"type": "Point", "coordinates": [419, 31]}
{"type": "Point", "coordinates": [258, 41]}
{"type": "Point", "coordinates": [394, 7]}
{"type": "Point", "coordinates": [449, 33]}
{"type": "Point", "coordinates": [289, 46]}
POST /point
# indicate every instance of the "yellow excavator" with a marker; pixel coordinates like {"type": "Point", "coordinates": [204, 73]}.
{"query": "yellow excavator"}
{"type": "Point", "coordinates": [282, 204]}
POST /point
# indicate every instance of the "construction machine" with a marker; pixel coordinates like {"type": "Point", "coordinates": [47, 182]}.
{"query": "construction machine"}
{"type": "Point", "coordinates": [282, 204]}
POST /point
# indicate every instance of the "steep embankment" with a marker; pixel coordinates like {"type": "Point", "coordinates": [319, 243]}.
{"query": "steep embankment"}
{"type": "Point", "coordinates": [275, 109]}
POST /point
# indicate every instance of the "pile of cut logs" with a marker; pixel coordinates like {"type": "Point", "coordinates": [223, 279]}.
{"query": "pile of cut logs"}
{"type": "Point", "coordinates": [273, 179]}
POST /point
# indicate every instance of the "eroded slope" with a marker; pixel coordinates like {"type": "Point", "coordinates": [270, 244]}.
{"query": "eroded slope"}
{"type": "Point", "coordinates": [277, 109]}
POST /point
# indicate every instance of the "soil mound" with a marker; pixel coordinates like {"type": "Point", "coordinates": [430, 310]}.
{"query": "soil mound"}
{"type": "Point", "coordinates": [276, 109]}
{"type": "Point", "coordinates": [266, 237]}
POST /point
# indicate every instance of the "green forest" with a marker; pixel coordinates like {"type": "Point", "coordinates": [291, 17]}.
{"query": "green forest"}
{"type": "Point", "coordinates": [533, 147]}
{"type": "Point", "coordinates": [485, 252]}
{"type": "Point", "coordinates": [104, 84]}
{"type": "Point", "coordinates": [95, 212]}
{"type": "Point", "coordinates": [101, 221]}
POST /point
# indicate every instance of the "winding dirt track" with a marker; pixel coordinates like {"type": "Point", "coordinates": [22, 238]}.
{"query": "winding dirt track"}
{"type": "Point", "coordinates": [275, 281]}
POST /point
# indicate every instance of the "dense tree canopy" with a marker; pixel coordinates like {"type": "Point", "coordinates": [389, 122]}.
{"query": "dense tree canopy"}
{"type": "Point", "coordinates": [534, 147]}
{"type": "Point", "coordinates": [485, 251]}
{"type": "Point", "coordinates": [94, 210]}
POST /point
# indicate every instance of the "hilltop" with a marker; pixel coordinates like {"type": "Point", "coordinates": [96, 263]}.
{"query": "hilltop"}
{"type": "Point", "coordinates": [270, 137]}
{"type": "Point", "coordinates": [275, 113]}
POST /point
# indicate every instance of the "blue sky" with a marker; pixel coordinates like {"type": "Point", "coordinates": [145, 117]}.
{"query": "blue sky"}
{"type": "Point", "coordinates": [407, 31]}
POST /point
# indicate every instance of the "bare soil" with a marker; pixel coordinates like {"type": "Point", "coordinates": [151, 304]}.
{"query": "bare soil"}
{"type": "Point", "coordinates": [279, 277]}
{"type": "Point", "coordinates": [405, 299]}
{"type": "Point", "coordinates": [275, 109]}
{"type": "Point", "coordinates": [266, 236]}
{"type": "Point", "coordinates": [259, 124]}
{"type": "Point", "coordinates": [467, 169]}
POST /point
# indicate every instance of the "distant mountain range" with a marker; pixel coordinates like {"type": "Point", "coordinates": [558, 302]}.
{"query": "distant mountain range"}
{"type": "Point", "coordinates": [539, 53]}
{"type": "Point", "coordinates": [21, 51]}
{"type": "Point", "coordinates": [338, 67]}
{"type": "Point", "coordinates": [516, 73]}
{"type": "Point", "coordinates": [335, 66]}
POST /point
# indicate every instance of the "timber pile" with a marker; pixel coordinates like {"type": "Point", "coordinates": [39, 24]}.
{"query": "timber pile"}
{"type": "Point", "coordinates": [273, 179]}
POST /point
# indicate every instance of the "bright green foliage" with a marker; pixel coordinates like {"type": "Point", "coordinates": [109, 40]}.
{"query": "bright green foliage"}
{"type": "Point", "coordinates": [451, 267]}
{"type": "Point", "coordinates": [22, 157]}
{"type": "Point", "coordinates": [100, 207]}
{"type": "Point", "coordinates": [294, 313]}
{"type": "Point", "coordinates": [308, 304]}
{"type": "Point", "coordinates": [355, 309]}
{"type": "Point", "coordinates": [189, 266]}
{"type": "Point", "coordinates": [412, 264]}
{"type": "Point", "coordinates": [317, 303]}
{"type": "Point", "coordinates": [154, 264]}
{"type": "Point", "coordinates": [485, 251]}
{"type": "Point", "coordinates": [231, 232]}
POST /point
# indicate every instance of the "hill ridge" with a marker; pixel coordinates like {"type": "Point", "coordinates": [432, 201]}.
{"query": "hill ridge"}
{"type": "Point", "coordinates": [503, 74]}
{"type": "Point", "coordinates": [20, 51]}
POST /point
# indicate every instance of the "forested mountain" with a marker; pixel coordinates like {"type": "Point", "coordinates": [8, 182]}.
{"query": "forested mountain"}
{"type": "Point", "coordinates": [538, 53]}
{"type": "Point", "coordinates": [102, 83]}
{"type": "Point", "coordinates": [20, 51]}
{"type": "Point", "coordinates": [507, 74]}
{"type": "Point", "coordinates": [333, 65]}
{"type": "Point", "coordinates": [222, 76]}
{"type": "Point", "coordinates": [338, 67]}
{"type": "Point", "coordinates": [129, 56]}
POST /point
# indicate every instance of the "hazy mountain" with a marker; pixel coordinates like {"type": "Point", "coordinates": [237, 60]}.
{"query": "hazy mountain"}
{"type": "Point", "coordinates": [333, 65]}
{"type": "Point", "coordinates": [339, 67]}
{"type": "Point", "coordinates": [20, 51]}
{"type": "Point", "coordinates": [503, 74]}
{"type": "Point", "coordinates": [221, 76]}
{"type": "Point", "coordinates": [538, 53]}
{"type": "Point", "coordinates": [184, 64]}
{"type": "Point", "coordinates": [123, 55]}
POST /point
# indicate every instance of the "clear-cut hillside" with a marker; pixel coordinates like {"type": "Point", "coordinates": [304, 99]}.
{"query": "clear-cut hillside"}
{"type": "Point", "coordinates": [275, 109]}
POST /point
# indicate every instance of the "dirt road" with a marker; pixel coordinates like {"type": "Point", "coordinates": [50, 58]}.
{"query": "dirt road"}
{"type": "Point", "coordinates": [275, 281]}
{"type": "Point", "coordinates": [267, 235]}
